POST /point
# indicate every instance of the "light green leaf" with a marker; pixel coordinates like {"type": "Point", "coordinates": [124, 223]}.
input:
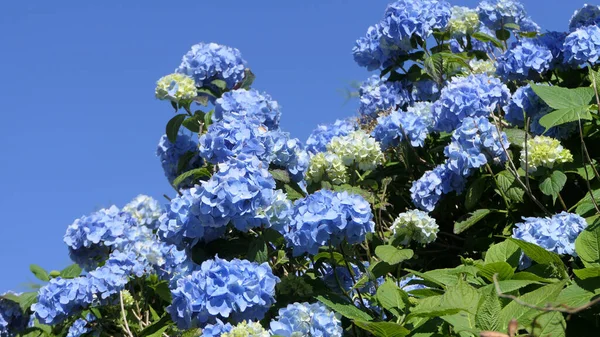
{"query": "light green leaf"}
{"type": "Point", "coordinates": [393, 255]}
{"type": "Point", "coordinates": [39, 272]}
{"type": "Point", "coordinates": [587, 246]}
{"type": "Point", "coordinates": [539, 297]}
{"type": "Point", "coordinates": [173, 127]}
{"type": "Point", "coordinates": [280, 175]}
{"type": "Point", "coordinates": [515, 136]}
{"type": "Point", "coordinates": [471, 219]}
{"type": "Point", "coordinates": [505, 251]}
{"type": "Point", "coordinates": [391, 297]}
{"type": "Point", "coordinates": [540, 255]}
{"type": "Point", "coordinates": [194, 174]}
{"type": "Point", "coordinates": [222, 85]}
{"type": "Point", "coordinates": [383, 329]}
{"type": "Point", "coordinates": [291, 193]}
{"type": "Point", "coordinates": [488, 311]}
{"type": "Point", "coordinates": [508, 286]}
{"type": "Point", "coordinates": [574, 296]}
{"type": "Point", "coordinates": [549, 324]}
{"type": "Point", "coordinates": [503, 269]}
{"type": "Point", "coordinates": [71, 271]}
{"type": "Point", "coordinates": [344, 308]}
{"type": "Point", "coordinates": [487, 38]}
{"type": "Point", "coordinates": [553, 184]}
{"type": "Point", "coordinates": [563, 98]}
{"type": "Point", "coordinates": [586, 273]}
{"type": "Point", "coordinates": [562, 116]}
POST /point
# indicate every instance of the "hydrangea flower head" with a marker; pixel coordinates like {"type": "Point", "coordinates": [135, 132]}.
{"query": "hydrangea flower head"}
{"type": "Point", "coordinates": [207, 62]}
{"type": "Point", "coordinates": [377, 95]}
{"type": "Point", "coordinates": [415, 225]}
{"type": "Point", "coordinates": [62, 298]}
{"type": "Point", "coordinates": [357, 148]}
{"type": "Point", "coordinates": [404, 19]}
{"type": "Point", "coordinates": [556, 234]}
{"type": "Point", "coordinates": [289, 153]}
{"type": "Point", "coordinates": [279, 212]}
{"type": "Point", "coordinates": [237, 290]}
{"type": "Point", "coordinates": [425, 90]}
{"type": "Point", "coordinates": [241, 187]}
{"type": "Point", "coordinates": [495, 14]}
{"type": "Point", "coordinates": [487, 67]}
{"type": "Point", "coordinates": [544, 151]}
{"type": "Point", "coordinates": [427, 191]}
{"type": "Point", "coordinates": [583, 46]}
{"type": "Point", "coordinates": [170, 154]}
{"type": "Point", "coordinates": [373, 52]}
{"type": "Point", "coordinates": [322, 135]}
{"type": "Point", "coordinates": [247, 329]}
{"type": "Point", "coordinates": [216, 330]}
{"type": "Point", "coordinates": [304, 319]}
{"type": "Point", "coordinates": [176, 87]}
{"type": "Point", "coordinates": [80, 327]}
{"type": "Point", "coordinates": [326, 166]}
{"type": "Point", "coordinates": [12, 318]}
{"type": "Point", "coordinates": [146, 210]}
{"type": "Point", "coordinates": [391, 129]}
{"type": "Point", "coordinates": [463, 21]}
{"type": "Point", "coordinates": [586, 16]}
{"type": "Point", "coordinates": [241, 103]}
{"type": "Point", "coordinates": [470, 96]}
{"type": "Point", "coordinates": [527, 59]}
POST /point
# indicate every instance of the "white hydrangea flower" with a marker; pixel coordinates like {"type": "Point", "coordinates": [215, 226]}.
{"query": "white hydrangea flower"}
{"type": "Point", "coordinates": [463, 21]}
{"type": "Point", "coordinates": [176, 87]}
{"type": "Point", "coordinates": [146, 210]}
{"type": "Point", "coordinates": [482, 67]}
{"type": "Point", "coordinates": [244, 329]}
{"type": "Point", "coordinates": [415, 225]}
{"type": "Point", "coordinates": [357, 148]}
{"type": "Point", "coordinates": [544, 151]}
{"type": "Point", "coordinates": [422, 109]}
{"type": "Point", "coordinates": [326, 166]}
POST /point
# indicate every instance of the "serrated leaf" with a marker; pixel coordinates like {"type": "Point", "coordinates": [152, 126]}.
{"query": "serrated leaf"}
{"type": "Point", "coordinates": [344, 308]}
{"type": "Point", "coordinates": [193, 123]}
{"type": "Point", "coordinates": [487, 38]}
{"type": "Point", "coordinates": [391, 297]}
{"type": "Point", "coordinates": [193, 174]}
{"type": "Point", "coordinates": [539, 297]}
{"type": "Point", "coordinates": [507, 182]}
{"type": "Point", "coordinates": [587, 246]}
{"type": "Point", "coordinates": [562, 116]}
{"type": "Point", "coordinates": [503, 269]}
{"type": "Point", "coordinates": [383, 329]}
{"type": "Point", "coordinates": [574, 296]}
{"type": "Point", "coordinates": [173, 126]}
{"type": "Point", "coordinates": [549, 324]}
{"type": "Point", "coordinates": [393, 255]}
{"type": "Point", "coordinates": [488, 311]}
{"type": "Point", "coordinates": [515, 136]}
{"type": "Point", "coordinates": [39, 272]}
{"type": "Point", "coordinates": [280, 175]}
{"type": "Point", "coordinates": [553, 184]}
{"type": "Point", "coordinates": [474, 192]}
{"type": "Point", "coordinates": [539, 254]}
{"type": "Point", "coordinates": [470, 220]}
{"type": "Point", "coordinates": [563, 98]}
{"type": "Point", "coordinates": [258, 252]}
{"type": "Point", "coordinates": [71, 271]}
{"type": "Point", "coordinates": [505, 251]}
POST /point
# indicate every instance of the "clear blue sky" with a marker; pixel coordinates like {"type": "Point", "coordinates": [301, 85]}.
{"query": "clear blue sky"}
{"type": "Point", "coordinates": [80, 124]}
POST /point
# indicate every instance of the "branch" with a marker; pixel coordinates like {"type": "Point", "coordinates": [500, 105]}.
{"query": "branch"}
{"type": "Point", "coordinates": [126, 325]}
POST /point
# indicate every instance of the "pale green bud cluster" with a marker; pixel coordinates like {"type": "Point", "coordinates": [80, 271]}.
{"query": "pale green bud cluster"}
{"type": "Point", "coordinates": [244, 329]}
{"type": "Point", "coordinates": [357, 149]}
{"type": "Point", "coordinates": [463, 21]}
{"type": "Point", "coordinates": [482, 67]}
{"type": "Point", "coordinates": [544, 151]}
{"type": "Point", "coordinates": [326, 166]}
{"type": "Point", "coordinates": [415, 225]}
{"type": "Point", "coordinates": [127, 298]}
{"type": "Point", "coordinates": [176, 87]}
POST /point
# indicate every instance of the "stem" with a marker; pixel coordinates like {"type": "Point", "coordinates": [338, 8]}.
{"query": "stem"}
{"type": "Point", "coordinates": [126, 325]}
{"type": "Point", "coordinates": [352, 276]}
{"type": "Point", "coordinates": [562, 202]}
{"type": "Point", "coordinates": [587, 180]}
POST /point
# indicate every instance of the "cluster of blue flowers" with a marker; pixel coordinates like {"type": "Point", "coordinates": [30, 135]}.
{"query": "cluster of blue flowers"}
{"type": "Point", "coordinates": [241, 103]}
{"type": "Point", "coordinates": [237, 290]}
{"type": "Point", "coordinates": [207, 62]}
{"type": "Point", "coordinates": [556, 234]}
{"type": "Point", "coordinates": [470, 96]}
{"type": "Point", "coordinates": [377, 94]}
{"type": "Point", "coordinates": [289, 153]}
{"type": "Point", "coordinates": [145, 210]}
{"type": "Point", "coordinates": [216, 329]}
{"type": "Point", "coordinates": [496, 14]}
{"type": "Point", "coordinates": [170, 154]}
{"type": "Point", "coordinates": [327, 217]}
{"type": "Point", "coordinates": [526, 59]}
{"type": "Point", "coordinates": [427, 191]}
{"type": "Point", "coordinates": [391, 37]}
{"type": "Point", "coordinates": [586, 16]}
{"type": "Point", "coordinates": [61, 298]}
{"type": "Point", "coordinates": [583, 46]}
{"type": "Point", "coordinates": [393, 128]}
{"type": "Point", "coordinates": [80, 326]}
{"type": "Point", "coordinates": [323, 134]}
{"type": "Point", "coordinates": [304, 319]}
{"type": "Point", "coordinates": [12, 318]}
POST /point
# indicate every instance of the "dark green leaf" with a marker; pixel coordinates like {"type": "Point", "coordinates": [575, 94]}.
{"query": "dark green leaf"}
{"type": "Point", "coordinates": [248, 79]}
{"type": "Point", "coordinates": [383, 329]}
{"type": "Point", "coordinates": [163, 291]}
{"type": "Point", "coordinates": [258, 251]}
{"type": "Point", "coordinates": [173, 127]}
{"type": "Point", "coordinates": [474, 192]}
{"type": "Point", "coordinates": [486, 38]}
{"type": "Point", "coordinates": [470, 220]}
{"type": "Point", "coordinates": [193, 123]}
{"type": "Point", "coordinates": [553, 184]}
{"type": "Point", "coordinates": [587, 246]}
{"type": "Point", "coordinates": [393, 255]}
{"type": "Point", "coordinates": [292, 193]}
{"type": "Point", "coordinates": [344, 308]}
{"type": "Point", "coordinates": [71, 271]}
{"type": "Point", "coordinates": [193, 174]}
{"type": "Point", "coordinates": [208, 118]}
{"type": "Point", "coordinates": [155, 327]}
{"type": "Point", "coordinates": [507, 182]}
{"type": "Point", "coordinates": [39, 272]}
{"type": "Point", "coordinates": [503, 34]}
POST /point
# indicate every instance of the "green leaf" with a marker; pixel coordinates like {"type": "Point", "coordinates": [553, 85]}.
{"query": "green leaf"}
{"type": "Point", "coordinates": [488, 310]}
{"type": "Point", "coordinates": [248, 79]}
{"type": "Point", "coordinates": [193, 123]}
{"type": "Point", "coordinates": [515, 136]}
{"type": "Point", "coordinates": [474, 192]}
{"type": "Point", "coordinates": [470, 220]}
{"type": "Point", "coordinates": [258, 252]}
{"type": "Point", "coordinates": [344, 308]}
{"type": "Point", "coordinates": [355, 190]}
{"type": "Point", "coordinates": [391, 297]}
{"type": "Point", "coordinates": [503, 269]}
{"type": "Point", "coordinates": [587, 246]}
{"type": "Point", "coordinates": [505, 251]}
{"type": "Point", "coordinates": [562, 116]}
{"type": "Point", "coordinates": [163, 291]}
{"type": "Point", "coordinates": [173, 127]}
{"type": "Point", "coordinates": [487, 38]}
{"type": "Point", "coordinates": [553, 184]}
{"type": "Point", "coordinates": [549, 324]}
{"type": "Point", "coordinates": [39, 272]}
{"type": "Point", "coordinates": [155, 327]}
{"type": "Point", "coordinates": [393, 255]}
{"type": "Point", "coordinates": [193, 174]}
{"type": "Point", "coordinates": [222, 85]}
{"type": "Point", "coordinates": [512, 26]}
{"type": "Point", "coordinates": [292, 193]}
{"type": "Point", "coordinates": [194, 332]}
{"type": "Point", "coordinates": [540, 255]}
{"type": "Point", "coordinates": [383, 329]}
{"type": "Point", "coordinates": [539, 297]}
{"type": "Point", "coordinates": [574, 296]}
{"type": "Point", "coordinates": [208, 118]}
{"type": "Point", "coordinates": [71, 271]}
{"type": "Point", "coordinates": [508, 183]}
{"type": "Point", "coordinates": [26, 300]}
{"type": "Point", "coordinates": [280, 175]}
{"type": "Point", "coordinates": [586, 273]}
{"type": "Point", "coordinates": [502, 34]}
{"type": "Point", "coordinates": [508, 286]}
{"type": "Point", "coordinates": [563, 98]}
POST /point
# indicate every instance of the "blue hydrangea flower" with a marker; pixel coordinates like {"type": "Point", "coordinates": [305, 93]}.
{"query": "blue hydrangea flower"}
{"type": "Point", "coordinates": [80, 326]}
{"type": "Point", "coordinates": [237, 289]}
{"type": "Point", "coordinates": [169, 155]}
{"type": "Point", "coordinates": [425, 90]}
{"type": "Point", "coordinates": [525, 103]}
{"type": "Point", "coordinates": [326, 217]}
{"type": "Point", "coordinates": [241, 103]}
{"type": "Point", "coordinates": [90, 237]}
{"type": "Point", "coordinates": [404, 19]}
{"type": "Point", "coordinates": [304, 319]}
{"type": "Point", "coordinates": [145, 210]}
{"type": "Point", "coordinates": [377, 95]}
{"type": "Point", "coordinates": [586, 16]}
{"type": "Point", "coordinates": [229, 138]}
{"type": "Point", "coordinates": [216, 330]}
{"type": "Point", "coordinates": [241, 187]}
{"type": "Point", "coordinates": [289, 153]}
{"type": "Point", "coordinates": [62, 298]}
{"type": "Point", "coordinates": [391, 129]}
{"type": "Point", "coordinates": [495, 14]}
{"type": "Point", "coordinates": [111, 278]}
{"type": "Point", "coordinates": [556, 234]}
{"type": "Point", "coordinates": [279, 212]}
{"type": "Point", "coordinates": [527, 59]}
{"type": "Point", "coordinates": [582, 46]}
{"type": "Point", "coordinates": [427, 191]}
{"type": "Point", "coordinates": [347, 280]}
{"type": "Point", "coordinates": [470, 96]}
{"type": "Point", "coordinates": [475, 143]}
{"type": "Point", "coordinates": [373, 52]}
{"type": "Point", "coordinates": [12, 318]}
{"type": "Point", "coordinates": [322, 135]}
{"type": "Point", "coordinates": [207, 62]}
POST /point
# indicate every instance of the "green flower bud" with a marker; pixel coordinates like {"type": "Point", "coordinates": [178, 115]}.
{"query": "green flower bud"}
{"type": "Point", "coordinates": [326, 166]}
{"type": "Point", "coordinates": [544, 151]}
{"type": "Point", "coordinates": [176, 87]}
{"type": "Point", "coordinates": [357, 148]}
{"type": "Point", "coordinates": [252, 329]}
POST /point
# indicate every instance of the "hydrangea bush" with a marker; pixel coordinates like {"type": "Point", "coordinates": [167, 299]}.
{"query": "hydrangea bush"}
{"type": "Point", "coordinates": [460, 199]}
